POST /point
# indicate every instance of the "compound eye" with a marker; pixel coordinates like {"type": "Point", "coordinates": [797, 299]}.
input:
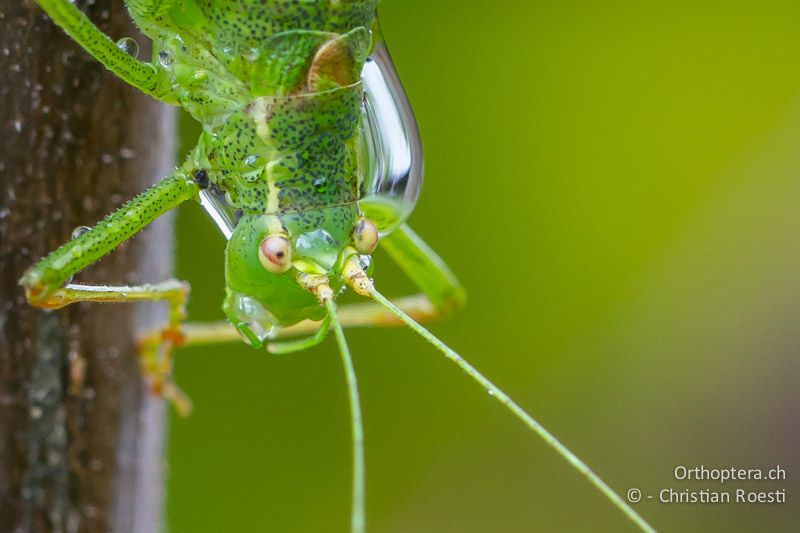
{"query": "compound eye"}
{"type": "Point", "coordinates": [365, 236]}
{"type": "Point", "coordinates": [275, 254]}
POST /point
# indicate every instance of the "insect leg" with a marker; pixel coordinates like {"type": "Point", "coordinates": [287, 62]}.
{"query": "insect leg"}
{"type": "Point", "coordinates": [139, 74]}
{"type": "Point", "coordinates": [155, 349]}
{"type": "Point", "coordinates": [361, 315]}
{"type": "Point", "coordinates": [46, 283]}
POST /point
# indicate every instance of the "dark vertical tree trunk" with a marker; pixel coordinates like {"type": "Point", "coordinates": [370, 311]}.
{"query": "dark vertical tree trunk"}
{"type": "Point", "coordinates": [80, 437]}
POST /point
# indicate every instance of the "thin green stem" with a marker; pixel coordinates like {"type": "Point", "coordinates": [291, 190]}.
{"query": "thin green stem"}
{"type": "Point", "coordinates": [357, 520]}
{"type": "Point", "coordinates": [520, 413]}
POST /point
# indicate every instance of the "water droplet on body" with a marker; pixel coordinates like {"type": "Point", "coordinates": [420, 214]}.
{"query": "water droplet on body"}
{"type": "Point", "coordinates": [256, 324]}
{"type": "Point", "coordinates": [321, 184]}
{"type": "Point", "coordinates": [80, 230]}
{"type": "Point", "coordinates": [366, 262]}
{"type": "Point", "coordinates": [164, 59]}
{"type": "Point", "coordinates": [391, 146]}
{"type": "Point", "coordinates": [129, 46]}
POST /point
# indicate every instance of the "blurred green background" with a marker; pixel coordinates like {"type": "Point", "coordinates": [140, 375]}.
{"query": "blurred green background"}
{"type": "Point", "coordinates": [616, 184]}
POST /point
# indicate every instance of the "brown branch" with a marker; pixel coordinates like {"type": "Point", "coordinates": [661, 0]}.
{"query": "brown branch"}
{"type": "Point", "coordinates": [80, 438]}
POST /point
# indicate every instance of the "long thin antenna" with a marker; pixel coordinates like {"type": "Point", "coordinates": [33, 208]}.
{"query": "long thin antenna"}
{"type": "Point", "coordinates": [357, 519]}
{"type": "Point", "coordinates": [520, 413]}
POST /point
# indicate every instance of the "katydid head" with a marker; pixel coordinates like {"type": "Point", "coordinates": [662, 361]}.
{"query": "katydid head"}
{"type": "Point", "coordinates": [281, 269]}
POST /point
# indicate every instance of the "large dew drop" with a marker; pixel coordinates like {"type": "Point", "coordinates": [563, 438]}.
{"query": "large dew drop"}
{"type": "Point", "coordinates": [391, 151]}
